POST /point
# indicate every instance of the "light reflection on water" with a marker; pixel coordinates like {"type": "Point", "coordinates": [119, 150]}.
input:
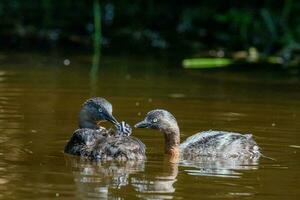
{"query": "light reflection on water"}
{"type": "Point", "coordinates": [39, 103]}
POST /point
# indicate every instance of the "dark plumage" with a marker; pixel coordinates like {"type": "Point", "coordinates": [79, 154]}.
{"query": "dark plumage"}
{"type": "Point", "coordinates": [97, 143]}
{"type": "Point", "coordinates": [207, 143]}
{"type": "Point", "coordinates": [119, 148]}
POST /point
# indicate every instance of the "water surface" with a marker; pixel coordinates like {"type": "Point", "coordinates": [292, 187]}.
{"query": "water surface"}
{"type": "Point", "coordinates": [40, 98]}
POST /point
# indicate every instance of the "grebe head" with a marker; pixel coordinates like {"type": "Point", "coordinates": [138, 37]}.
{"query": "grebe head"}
{"type": "Point", "coordinates": [96, 110]}
{"type": "Point", "coordinates": [159, 119]}
{"type": "Point", "coordinates": [165, 122]}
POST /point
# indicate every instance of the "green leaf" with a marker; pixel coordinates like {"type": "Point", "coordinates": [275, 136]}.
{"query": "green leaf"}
{"type": "Point", "coordinates": [202, 63]}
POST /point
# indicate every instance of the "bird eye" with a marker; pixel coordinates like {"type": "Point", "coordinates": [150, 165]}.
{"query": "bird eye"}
{"type": "Point", "coordinates": [154, 120]}
{"type": "Point", "coordinates": [100, 109]}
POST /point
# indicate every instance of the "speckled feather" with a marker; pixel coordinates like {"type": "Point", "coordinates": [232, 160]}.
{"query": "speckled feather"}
{"type": "Point", "coordinates": [104, 144]}
{"type": "Point", "coordinates": [83, 140]}
{"type": "Point", "coordinates": [119, 148]}
{"type": "Point", "coordinates": [219, 144]}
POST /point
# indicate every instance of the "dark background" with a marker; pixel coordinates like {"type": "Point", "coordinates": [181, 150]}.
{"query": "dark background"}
{"type": "Point", "coordinates": [184, 28]}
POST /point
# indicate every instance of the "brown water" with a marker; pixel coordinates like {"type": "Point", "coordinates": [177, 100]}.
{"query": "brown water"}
{"type": "Point", "coordinates": [39, 102]}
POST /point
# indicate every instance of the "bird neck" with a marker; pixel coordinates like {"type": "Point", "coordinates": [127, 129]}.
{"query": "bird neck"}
{"type": "Point", "coordinates": [172, 141]}
{"type": "Point", "coordinates": [86, 120]}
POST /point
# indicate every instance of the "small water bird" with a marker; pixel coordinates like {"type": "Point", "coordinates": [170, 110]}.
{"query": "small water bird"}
{"type": "Point", "coordinates": [218, 144]}
{"type": "Point", "coordinates": [95, 142]}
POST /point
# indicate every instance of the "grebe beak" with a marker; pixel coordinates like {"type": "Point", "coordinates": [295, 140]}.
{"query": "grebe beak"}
{"type": "Point", "coordinates": [142, 124]}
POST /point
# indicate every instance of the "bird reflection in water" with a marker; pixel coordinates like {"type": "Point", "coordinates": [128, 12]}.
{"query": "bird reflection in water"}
{"type": "Point", "coordinates": [161, 186]}
{"type": "Point", "coordinates": [102, 179]}
{"type": "Point", "coordinates": [119, 180]}
{"type": "Point", "coordinates": [115, 179]}
{"type": "Point", "coordinates": [230, 167]}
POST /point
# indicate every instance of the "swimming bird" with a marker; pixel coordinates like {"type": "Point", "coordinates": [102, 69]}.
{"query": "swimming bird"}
{"type": "Point", "coordinates": [95, 142]}
{"type": "Point", "coordinates": [203, 144]}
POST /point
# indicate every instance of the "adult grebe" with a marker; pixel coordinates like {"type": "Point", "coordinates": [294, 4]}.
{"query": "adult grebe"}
{"type": "Point", "coordinates": [97, 143]}
{"type": "Point", "coordinates": [208, 143]}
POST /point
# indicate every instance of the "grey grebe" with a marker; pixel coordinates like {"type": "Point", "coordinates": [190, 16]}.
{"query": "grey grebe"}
{"type": "Point", "coordinates": [97, 143]}
{"type": "Point", "coordinates": [208, 143]}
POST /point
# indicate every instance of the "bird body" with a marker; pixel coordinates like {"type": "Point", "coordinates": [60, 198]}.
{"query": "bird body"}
{"type": "Point", "coordinates": [103, 144]}
{"type": "Point", "coordinates": [84, 140]}
{"type": "Point", "coordinates": [219, 144]}
{"type": "Point", "coordinates": [118, 148]}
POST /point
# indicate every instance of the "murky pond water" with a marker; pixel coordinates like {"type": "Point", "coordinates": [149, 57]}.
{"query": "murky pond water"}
{"type": "Point", "coordinates": [39, 102]}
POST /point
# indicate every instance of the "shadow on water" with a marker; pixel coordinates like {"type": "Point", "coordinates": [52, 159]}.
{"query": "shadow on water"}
{"type": "Point", "coordinates": [39, 102]}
